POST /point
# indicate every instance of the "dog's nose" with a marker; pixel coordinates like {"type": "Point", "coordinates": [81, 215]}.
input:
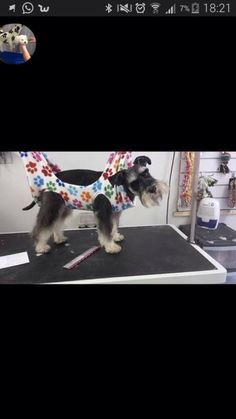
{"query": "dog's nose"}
{"type": "Point", "coordinates": [152, 189]}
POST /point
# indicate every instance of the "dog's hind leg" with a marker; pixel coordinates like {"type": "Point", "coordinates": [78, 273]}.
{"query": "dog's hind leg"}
{"type": "Point", "coordinates": [58, 234]}
{"type": "Point", "coordinates": [50, 213]}
{"type": "Point", "coordinates": [103, 214]}
{"type": "Point", "coordinates": [117, 237]}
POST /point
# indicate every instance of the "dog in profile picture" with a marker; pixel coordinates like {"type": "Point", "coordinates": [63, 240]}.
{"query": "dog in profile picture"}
{"type": "Point", "coordinates": [17, 43]}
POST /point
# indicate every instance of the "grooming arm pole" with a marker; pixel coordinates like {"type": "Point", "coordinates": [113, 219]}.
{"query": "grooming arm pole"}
{"type": "Point", "coordinates": [194, 196]}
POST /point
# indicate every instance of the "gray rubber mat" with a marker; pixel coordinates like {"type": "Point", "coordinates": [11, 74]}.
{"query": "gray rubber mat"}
{"type": "Point", "coordinates": [145, 251]}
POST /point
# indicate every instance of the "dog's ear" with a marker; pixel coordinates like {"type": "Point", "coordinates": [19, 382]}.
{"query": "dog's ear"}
{"type": "Point", "coordinates": [142, 161]}
{"type": "Point", "coordinates": [118, 179]}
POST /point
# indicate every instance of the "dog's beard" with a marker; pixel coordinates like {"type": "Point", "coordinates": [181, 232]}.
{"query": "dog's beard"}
{"type": "Point", "coordinates": [150, 199]}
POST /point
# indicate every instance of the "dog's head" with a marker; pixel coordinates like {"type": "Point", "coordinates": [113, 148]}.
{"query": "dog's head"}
{"type": "Point", "coordinates": [137, 181]}
{"type": "Point", "coordinates": [21, 39]}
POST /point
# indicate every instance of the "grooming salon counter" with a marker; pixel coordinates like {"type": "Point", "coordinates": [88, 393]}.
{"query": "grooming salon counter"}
{"type": "Point", "coordinates": [157, 254]}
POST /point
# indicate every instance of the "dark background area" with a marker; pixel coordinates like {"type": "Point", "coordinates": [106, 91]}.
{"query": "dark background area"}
{"type": "Point", "coordinates": [99, 83]}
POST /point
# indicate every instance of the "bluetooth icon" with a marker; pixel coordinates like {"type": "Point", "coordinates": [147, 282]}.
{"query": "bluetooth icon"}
{"type": "Point", "coordinates": [108, 8]}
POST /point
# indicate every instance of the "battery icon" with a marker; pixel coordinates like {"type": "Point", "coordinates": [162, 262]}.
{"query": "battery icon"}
{"type": "Point", "coordinates": [195, 8]}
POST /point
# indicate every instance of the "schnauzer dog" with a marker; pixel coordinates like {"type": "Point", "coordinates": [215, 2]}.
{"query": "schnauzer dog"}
{"type": "Point", "coordinates": [136, 182]}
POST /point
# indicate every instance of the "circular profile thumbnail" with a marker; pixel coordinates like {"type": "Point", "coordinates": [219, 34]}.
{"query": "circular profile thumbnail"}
{"type": "Point", "coordinates": [17, 43]}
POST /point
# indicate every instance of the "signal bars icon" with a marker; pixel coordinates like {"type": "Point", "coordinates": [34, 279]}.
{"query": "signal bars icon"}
{"type": "Point", "coordinates": [171, 10]}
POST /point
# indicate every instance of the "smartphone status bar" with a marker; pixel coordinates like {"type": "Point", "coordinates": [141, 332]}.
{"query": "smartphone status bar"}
{"type": "Point", "coordinates": [90, 8]}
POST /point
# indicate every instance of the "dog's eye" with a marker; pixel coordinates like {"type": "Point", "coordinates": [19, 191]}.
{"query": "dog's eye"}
{"type": "Point", "coordinates": [152, 189]}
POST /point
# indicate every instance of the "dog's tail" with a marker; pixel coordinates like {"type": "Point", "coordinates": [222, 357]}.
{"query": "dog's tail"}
{"type": "Point", "coordinates": [33, 203]}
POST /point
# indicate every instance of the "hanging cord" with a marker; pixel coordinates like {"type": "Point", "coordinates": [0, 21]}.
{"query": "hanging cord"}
{"type": "Point", "coordinates": [170, 177]}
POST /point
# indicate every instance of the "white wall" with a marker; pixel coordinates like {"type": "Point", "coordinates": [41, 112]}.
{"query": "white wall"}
{"type": "Point", "coordinates": [15, 194]}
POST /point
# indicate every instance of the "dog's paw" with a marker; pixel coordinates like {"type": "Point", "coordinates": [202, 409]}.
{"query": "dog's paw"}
{"type": "Point", "coordinates": [112, 248]}
{"type": "Point", "coordinates": [42, 248]}
{"type": "Point", "coordinates": [118, 237]}
{"type": "Point", "coordinates": [60, 240]}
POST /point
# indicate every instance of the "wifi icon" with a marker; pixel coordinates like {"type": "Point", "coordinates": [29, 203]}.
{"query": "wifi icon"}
{"type": "Point", "coordinates": [155, 7]}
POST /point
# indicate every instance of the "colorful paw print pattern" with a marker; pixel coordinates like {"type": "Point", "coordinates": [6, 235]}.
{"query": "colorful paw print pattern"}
{"type": "Point", "coordinates": [42, 176]}
{"type": "Point", "coordinates": [86, 196]}
{"type": "Point", "coordinates": [97, 186]}
{"type": "Point", "coordinates": [107, 173]}
{"type": "Point", "coordinates": [109, 190]}
{"type": "Point", "coordinates": [31, 167]}
{"type": "Point", "coordinates": [51, 186]}
{"type": "Point", "coordinates": [38, 181]}
{"type": "Point", "coordinates": [73, 190]}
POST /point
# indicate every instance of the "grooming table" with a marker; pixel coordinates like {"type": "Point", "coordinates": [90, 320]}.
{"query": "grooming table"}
{"type": "Point", "coordinates": [150, 255]}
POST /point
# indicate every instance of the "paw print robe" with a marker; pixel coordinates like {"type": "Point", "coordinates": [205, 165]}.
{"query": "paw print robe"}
{"type": "Point", "coordinates": [42, 176]}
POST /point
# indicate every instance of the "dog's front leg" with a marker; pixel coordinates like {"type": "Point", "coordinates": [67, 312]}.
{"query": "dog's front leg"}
{"type": "Point", "coordinates": [104, 217]}
{"type": "Point", "coordinates": [117, 237]}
